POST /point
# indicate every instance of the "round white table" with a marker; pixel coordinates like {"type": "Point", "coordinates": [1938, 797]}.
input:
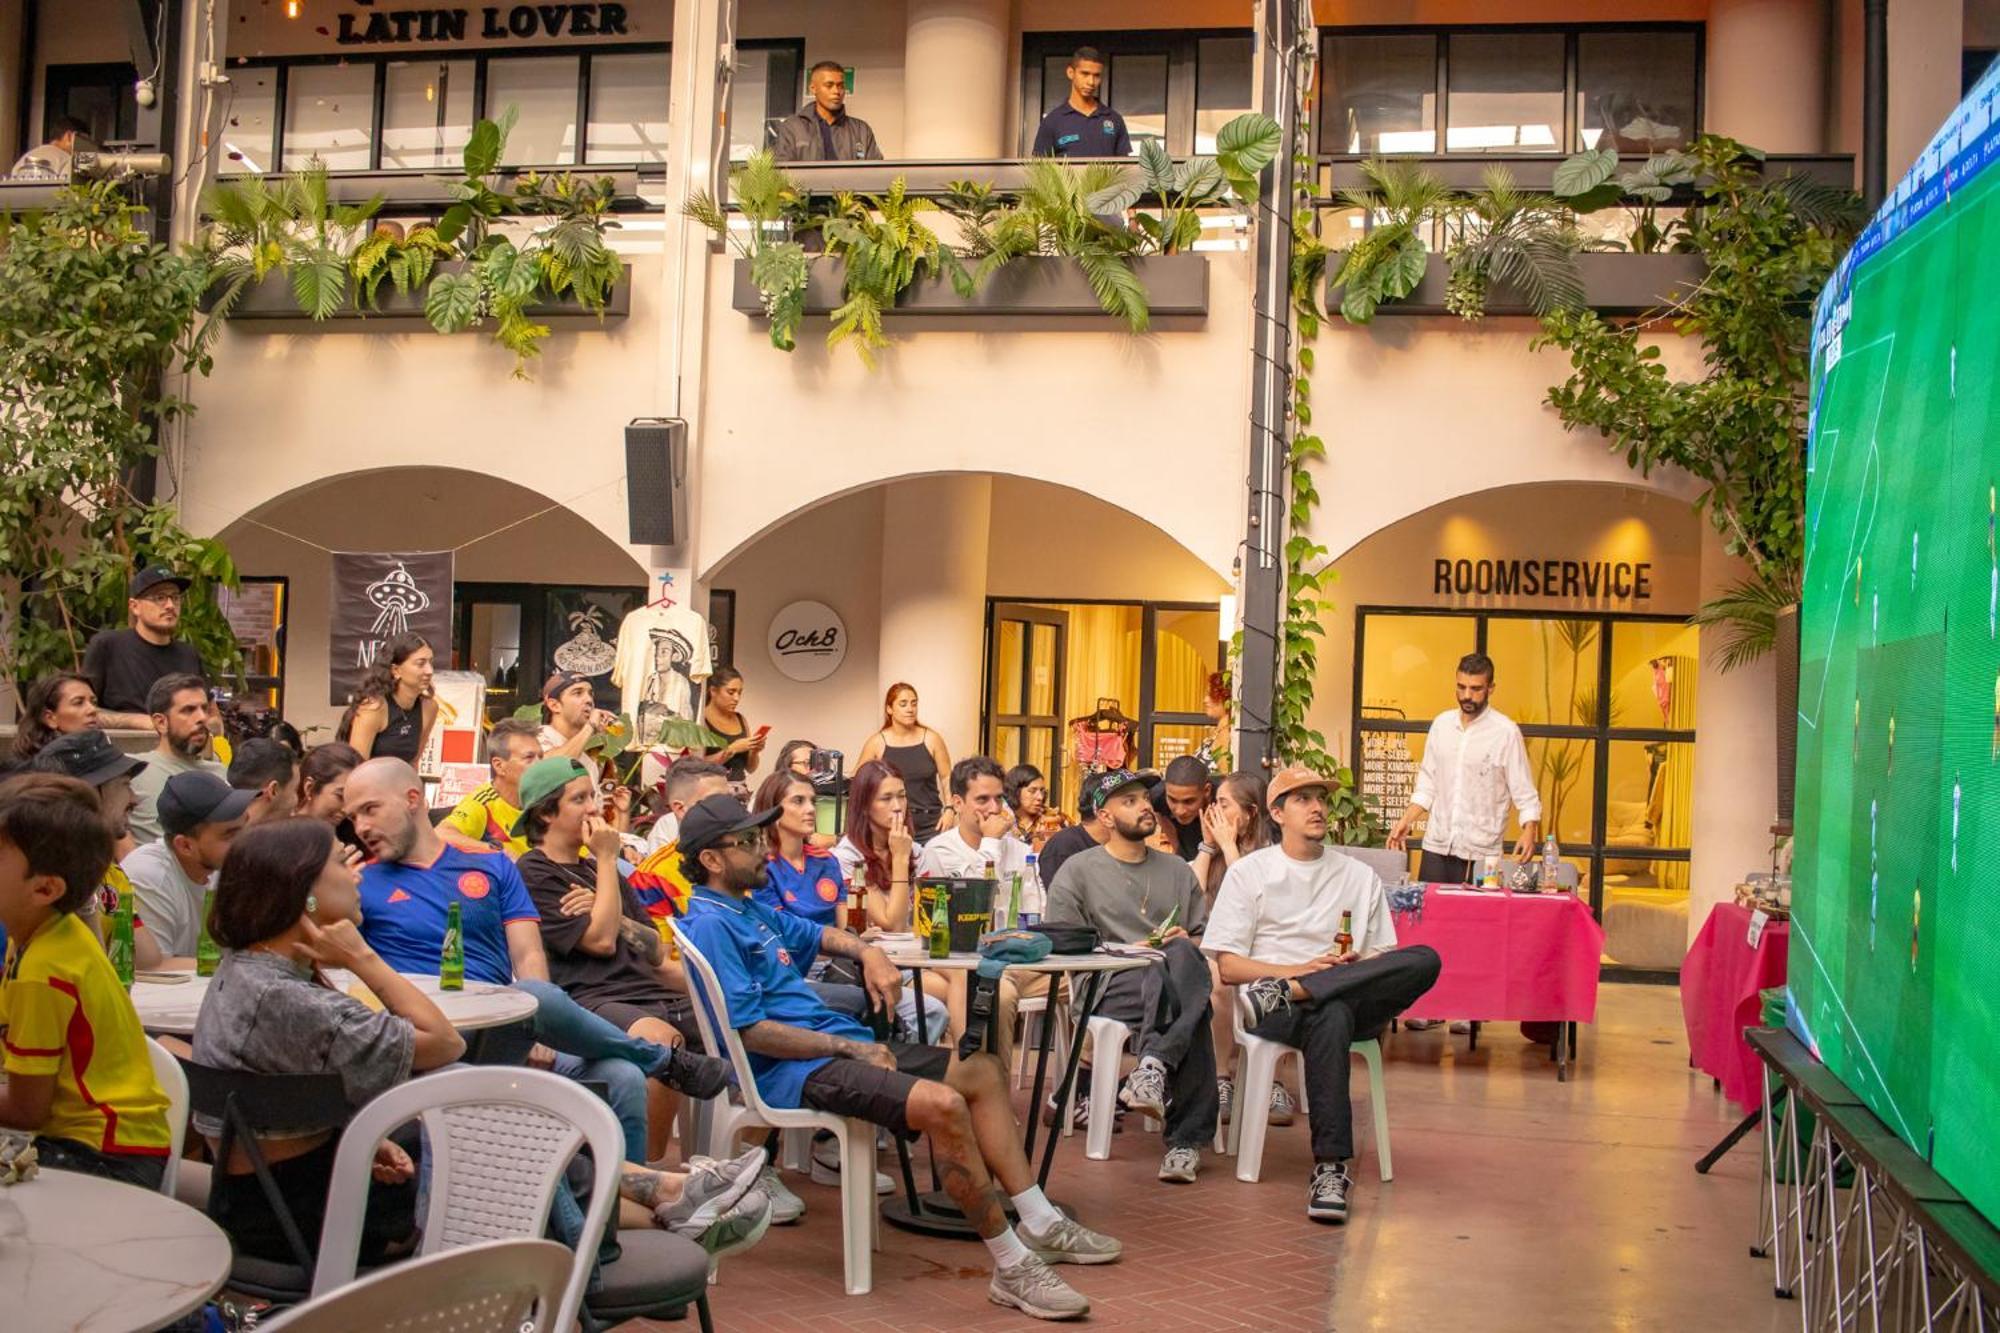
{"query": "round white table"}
{"type": "Point", "coordinates": [170, 1006]}
{"type": "Point", "coordinates": [89, 1255]}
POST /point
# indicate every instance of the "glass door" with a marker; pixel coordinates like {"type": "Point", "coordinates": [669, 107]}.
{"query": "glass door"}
{"type": "Point", "coordinates": [1024, 700]}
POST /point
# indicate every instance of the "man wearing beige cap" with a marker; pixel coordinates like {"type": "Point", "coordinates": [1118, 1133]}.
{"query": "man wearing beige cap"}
{"type": "Point", "coordinates": [1273, 932]}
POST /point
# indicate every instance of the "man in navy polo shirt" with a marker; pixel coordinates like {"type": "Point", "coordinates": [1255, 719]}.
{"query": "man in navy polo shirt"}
{"type": "Point", "coordinates": [405, 895]}
{"type": "Point", "coordinates": [804, 1054]}
{"type": "Point", "coordinates": [1080, 125]}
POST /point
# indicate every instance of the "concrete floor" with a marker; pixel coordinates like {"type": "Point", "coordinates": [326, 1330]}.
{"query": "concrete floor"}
{"type": "Point", "coordinates": [1519, 1203]}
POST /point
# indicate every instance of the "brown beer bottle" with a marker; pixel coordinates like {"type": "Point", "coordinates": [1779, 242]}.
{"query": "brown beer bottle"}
{"type": "Point", "coordinates": [1343, 942]}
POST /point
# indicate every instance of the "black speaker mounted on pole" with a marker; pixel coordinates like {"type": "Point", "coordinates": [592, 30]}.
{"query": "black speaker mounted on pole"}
{"type": "Point", "coordinates": [656, 480]}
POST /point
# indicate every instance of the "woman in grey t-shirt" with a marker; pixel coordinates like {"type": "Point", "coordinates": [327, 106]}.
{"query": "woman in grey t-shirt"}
{"type": "Point", "coordinates": [286, 903]}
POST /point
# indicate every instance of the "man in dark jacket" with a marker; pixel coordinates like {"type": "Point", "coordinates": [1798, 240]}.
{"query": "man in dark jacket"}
{"type": "Point", "coordinates": [823, 131]}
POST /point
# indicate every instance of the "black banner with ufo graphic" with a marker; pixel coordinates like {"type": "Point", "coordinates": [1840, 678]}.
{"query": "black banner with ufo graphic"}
{"type": "Point", "coordinates": [378, 595]}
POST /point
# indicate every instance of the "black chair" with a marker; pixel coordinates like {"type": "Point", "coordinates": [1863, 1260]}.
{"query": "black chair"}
{"type": "Point", "coordinates": [249, 1106]}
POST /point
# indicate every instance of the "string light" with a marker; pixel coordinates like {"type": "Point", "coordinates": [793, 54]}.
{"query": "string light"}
{"type": "Point", "coordinates": [291, 9]}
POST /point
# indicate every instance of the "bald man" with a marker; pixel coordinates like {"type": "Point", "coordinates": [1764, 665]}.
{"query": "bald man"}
{"type": "Point", "coordinates": [406, 893]}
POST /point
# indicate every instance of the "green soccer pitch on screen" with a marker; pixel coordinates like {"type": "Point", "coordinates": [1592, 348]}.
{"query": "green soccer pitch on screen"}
{"type": "Point", "coordinates": [1895, 945]}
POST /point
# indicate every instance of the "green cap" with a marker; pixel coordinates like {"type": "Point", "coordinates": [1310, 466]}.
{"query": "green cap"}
{"type": "Point", "coordinates": [544, 778]}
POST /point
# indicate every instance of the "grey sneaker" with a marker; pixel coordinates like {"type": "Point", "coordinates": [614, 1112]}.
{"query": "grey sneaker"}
{"type": "Point", "coordinates": [1145, 1090]}
{"type": "Point", "coordinates": [1033, 1288]}
{"type": "Point", "coordinates": [786, 1207]}
{"type": "Point", "coordinates": [1225, 1099]}
{"type": "Point", "coordinates": [1179, 1166]}
{"type": "Point", "coordinates": [1326, 1198]}
{"type": "Point", "coordinates": [1283, 1108]}
{"type": "Point", "coordinates": [1267, 996]}
{"type": "Point", "coordinates": [739, 1228]}
{"type": "Point", "coordinates": [746, 1167]}
{"type": "Point", "coordinates": [825, 1168]}
{"type": "Point", "coordinates": [706, 1194]}
{"type": "Point", "coordinates": [1070, 1242]}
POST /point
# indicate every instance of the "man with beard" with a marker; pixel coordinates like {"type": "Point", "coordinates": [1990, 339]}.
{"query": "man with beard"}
{"type": "Point", "coordinates": [1131, 892]}
{"type": "Point", "coordinates": [406, 894]}
{"type": "Point", "coordinates": [1275, 932]}
{"type": "Point", "coordinates": [178, 710]}
{"type": "Point", "coordinates": [1475, 766]}
{"type": "Point", "coordinates": [124, 664]}
{"type": "Point", "coordinates": [804, 1054]}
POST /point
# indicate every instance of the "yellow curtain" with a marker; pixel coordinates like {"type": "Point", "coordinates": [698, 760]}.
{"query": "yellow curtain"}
{"type": "Point", "coordinates": [1102, 663]}
{"type": "Point", "coordinates": [1674, 798]}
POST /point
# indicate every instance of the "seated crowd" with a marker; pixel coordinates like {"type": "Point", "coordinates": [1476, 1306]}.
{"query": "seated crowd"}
{"type": "Point", "coordinates": [299, 864]}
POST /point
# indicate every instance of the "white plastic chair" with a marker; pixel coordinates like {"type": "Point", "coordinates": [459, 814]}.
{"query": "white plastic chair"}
{"type": "Point", "coordinates": [1257, 1069]}
{"type": "Point", "coordinates": [497, 1140]}
{"type": "Point", "coordinates": [173, 1081]}
{"type": "Point", "coordinates": [860, 1220]}
{"type": "Point", "coordinates": [502, 1286]}
{"type": "Point", "coordinates": [1033, 1011]}
{"type": "Point", "coordinates": [1107, 1038]}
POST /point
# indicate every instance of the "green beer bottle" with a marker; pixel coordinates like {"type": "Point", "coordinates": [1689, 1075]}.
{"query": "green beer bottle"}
{"type": "Point", "coordinates": [120, 946]}
{"type": "Point", "coordinates": [1013, 921]}
{"type": "Point", "coordinates": [941, 921]}
{"type": "Point", "coordinates": [451, 964]}
{"type": "Point", "coordinates": [206, 952]}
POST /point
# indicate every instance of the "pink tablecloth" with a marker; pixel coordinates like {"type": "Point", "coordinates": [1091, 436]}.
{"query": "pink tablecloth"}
{"type": "Point", "coordinates": [1527, 957]}
{"type": "Point", "coordinates": [1720, 979]}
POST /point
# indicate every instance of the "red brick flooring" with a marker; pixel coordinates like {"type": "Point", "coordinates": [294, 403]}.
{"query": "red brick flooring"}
{"type": "Point", "coordinates": [1505, 1180]}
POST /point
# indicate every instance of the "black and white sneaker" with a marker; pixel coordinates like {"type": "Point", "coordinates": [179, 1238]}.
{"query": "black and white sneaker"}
{"type": "Point", "coordinates": [1145, 1089]}
{"type": "Point", "coordinates": [1267, 996]}
{"type": "Point", "coordinates": [697, 1075]}
{"type": "Point", "coordinates": [1326, 1198]}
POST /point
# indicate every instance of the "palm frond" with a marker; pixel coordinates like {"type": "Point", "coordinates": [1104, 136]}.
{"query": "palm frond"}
{"type": "Point", "coordinates": [1117, 288]}
{"type": "Point", "coordinates": [1747, 614]}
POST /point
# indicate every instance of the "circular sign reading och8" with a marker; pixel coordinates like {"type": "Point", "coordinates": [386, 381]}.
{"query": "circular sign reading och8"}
{"type": "Point", "coordinates": [808, 641]}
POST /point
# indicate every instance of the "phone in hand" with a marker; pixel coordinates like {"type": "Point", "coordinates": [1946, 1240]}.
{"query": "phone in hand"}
{"type": "Point", "coordinates": [763, 731]}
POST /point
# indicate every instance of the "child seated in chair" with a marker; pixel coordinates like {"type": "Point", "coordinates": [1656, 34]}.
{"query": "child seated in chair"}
{"type": "Point", "coordinates": [79, 1077]}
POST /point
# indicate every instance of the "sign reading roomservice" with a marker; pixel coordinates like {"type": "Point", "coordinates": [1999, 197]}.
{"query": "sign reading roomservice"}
{"type": "Point", "coordinates": [1583, 580]}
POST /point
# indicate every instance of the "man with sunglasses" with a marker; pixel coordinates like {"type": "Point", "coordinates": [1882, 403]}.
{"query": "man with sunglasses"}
{"type": "Point", "coordinates": [122, 664]}
{"type": "Point", "coordinates": [804, 1054]}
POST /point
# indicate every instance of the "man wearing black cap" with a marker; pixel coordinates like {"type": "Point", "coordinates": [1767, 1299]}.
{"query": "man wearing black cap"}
{"type": "Point", "coordinates": [91, 758]}
{"type": "Point", "coordinates": [804, 1054]}
{"type": "Point", "coordinates": [200, 815]}
{"type": "Point", "coordinates": [122, 664]}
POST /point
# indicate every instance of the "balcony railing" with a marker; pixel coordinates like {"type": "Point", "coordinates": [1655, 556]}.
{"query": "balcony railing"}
{"type": "Point", "coordinates": [1535, 172]}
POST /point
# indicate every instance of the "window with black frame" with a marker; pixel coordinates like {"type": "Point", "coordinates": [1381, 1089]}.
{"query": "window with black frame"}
{"type": "Point", "coordinates": [1178, 87]}
{"type": "Point", "coordinates": [1606, 705]}
{"type": "Point", "coordinates": [1515, 90]}
{"type": "Point", "coordinates": [604, 106]}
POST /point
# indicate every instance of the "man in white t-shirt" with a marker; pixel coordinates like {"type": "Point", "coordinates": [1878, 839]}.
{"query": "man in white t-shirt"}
{"type": "Point", "coordinates": [1272, 931]}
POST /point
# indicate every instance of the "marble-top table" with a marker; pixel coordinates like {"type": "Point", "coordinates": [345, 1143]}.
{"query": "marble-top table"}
{"type": "Point", "coordinates": [89, 1255]}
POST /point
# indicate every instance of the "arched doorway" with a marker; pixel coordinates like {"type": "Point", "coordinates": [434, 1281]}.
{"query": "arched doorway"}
{"type": "Point", "coordinates": [1580, 593]}
{"type": "Point", "coordinates": [942, 580]}
{"type": "Point", "coordinates": [528, 573]}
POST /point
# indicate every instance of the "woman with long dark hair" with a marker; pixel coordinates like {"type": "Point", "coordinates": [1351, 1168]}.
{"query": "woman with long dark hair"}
{"type": "Point", "coordinates": [323, 781]}
{"type": "Point", "coordinates": [53, 706]}
{"type": "Point", "coordinates": [723, 715]}
{"type": "Point", "coordinates": [919, 757]}
{"type": "Point", "coordinates": [1235, 823]}
{"type": "Point", "coordinates": [878, 844]}
{"type": "Point", "coordinates": [394, 710]}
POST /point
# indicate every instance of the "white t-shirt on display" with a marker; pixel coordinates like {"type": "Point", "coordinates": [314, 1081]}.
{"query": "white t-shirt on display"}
{"type": "Point", "coordinates": [1272, 909]}
{"type": "Point", "coordinates": [663, 657]}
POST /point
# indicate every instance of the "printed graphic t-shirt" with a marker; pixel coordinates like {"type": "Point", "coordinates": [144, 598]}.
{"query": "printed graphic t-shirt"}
{"type": "Point", "coordinates": [663, 655]}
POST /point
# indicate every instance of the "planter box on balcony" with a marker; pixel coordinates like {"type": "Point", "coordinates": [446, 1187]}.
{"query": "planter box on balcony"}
{"type": "Point", "coordinates": [1034, 285]}
{"type": "Point", "coordinates": [1613, 284]}
{"type": "Point", "coordinates": [272, 300]}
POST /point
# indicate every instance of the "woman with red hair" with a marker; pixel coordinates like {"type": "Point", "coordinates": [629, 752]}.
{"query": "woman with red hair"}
{"type": "Point", "coordinates": [918, 755]}
{"type": "Point", "coordinates": [878, 843]}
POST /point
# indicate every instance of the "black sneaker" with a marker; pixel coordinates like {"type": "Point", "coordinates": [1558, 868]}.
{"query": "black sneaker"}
{"type": "Point", "coordinates": [702, 1076]}
{"type": "Point", "coordinates": [1267, 996]}
{"type": "Point", "coordinates": [1326, 1198]}
{"type": "Point", "coordinates": [1079, 1112]}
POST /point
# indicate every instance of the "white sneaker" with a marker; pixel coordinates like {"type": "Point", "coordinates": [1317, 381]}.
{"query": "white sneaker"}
{"type": "Point", "coordinates": [786, 1207]}
{"type": "Point", "coordinates": [1283, 1108]}
{"type": "Point", "coordinates": [826, 1167]}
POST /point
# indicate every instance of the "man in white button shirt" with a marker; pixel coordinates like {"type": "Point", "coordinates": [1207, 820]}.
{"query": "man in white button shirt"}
{"type": "Point", "coordinates": [1475, 766]}
{"type": "Point", "coordinates": [983, 834]}
{"type": "Point", "coordinates": [1272, 931]}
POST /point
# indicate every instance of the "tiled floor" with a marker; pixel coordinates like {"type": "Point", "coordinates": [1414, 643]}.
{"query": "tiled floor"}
{"type": "Point", "coordinates": [1519, 1203]}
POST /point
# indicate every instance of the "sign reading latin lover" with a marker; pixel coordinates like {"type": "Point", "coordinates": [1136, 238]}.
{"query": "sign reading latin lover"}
{"type": "Point", "coordinates": [807, 641]}
{"type": "Point", "coordinates": [377, 596]}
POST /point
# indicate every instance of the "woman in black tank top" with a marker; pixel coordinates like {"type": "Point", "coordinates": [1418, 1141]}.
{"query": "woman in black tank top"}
{"type": "Point", "coordinates": [394, 710]}
{"type": "Point", "coordinates": [918, 754]}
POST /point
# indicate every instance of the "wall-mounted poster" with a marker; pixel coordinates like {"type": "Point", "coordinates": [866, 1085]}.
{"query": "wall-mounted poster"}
{"type": "Point", "coordinates": [460, 722]}
{"type": "Point", "coordinates": [582, 632]}
{"type": "Point", "coordinates": [377, 596]}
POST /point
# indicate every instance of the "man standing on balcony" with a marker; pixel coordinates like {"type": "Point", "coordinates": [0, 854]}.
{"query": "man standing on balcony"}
{"type": "Point", "coordinates": [823, 131]}
{"type": "Point", "coordinates": [122, 664]}
{"type": "Point", "coordinates": [1080, 125]}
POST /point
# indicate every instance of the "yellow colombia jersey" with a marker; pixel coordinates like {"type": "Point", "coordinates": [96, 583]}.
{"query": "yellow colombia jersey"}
{"type": "Point", "coordinates": [63, 1012]}
{"type": "Point", "coordinates": [487, 816]}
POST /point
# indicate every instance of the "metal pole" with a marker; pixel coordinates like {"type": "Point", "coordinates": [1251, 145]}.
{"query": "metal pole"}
{"type": "Point", "coordinates": [1262, 558]}
{"type": "Point", "coordinates": [1874, 103]}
